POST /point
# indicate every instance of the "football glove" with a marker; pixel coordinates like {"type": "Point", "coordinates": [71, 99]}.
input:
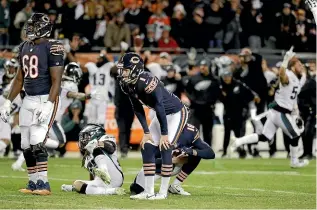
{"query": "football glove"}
{"type": "Point", "coordinates": [187, 150]}
{"type": "Point", "coordinates": [287, 57]}
{"type": "Point", "coordinates": [5, 110]}
{"type": "Point", "coordinates": [91, 146]}
{"type": "Point", "coordinates": [45, 111]}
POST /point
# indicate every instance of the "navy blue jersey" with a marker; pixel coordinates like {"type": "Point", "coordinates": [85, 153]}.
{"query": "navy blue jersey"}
{"type": "Point", "coordinates": [149, 91]}
{"type": "Point", "coordinates": [35, 61]}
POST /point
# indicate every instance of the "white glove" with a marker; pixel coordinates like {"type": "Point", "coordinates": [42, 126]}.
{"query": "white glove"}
{"type": "Point", "coordinates": [98, 95]}
{"type": "Point", "coordinates": [45, 111]}
{"type": "Point", "coordinates": [91, 146]}
{"type": "Point", "coordinates": [124, 46]}
{"type": "Point", "coordinates": [5, 110]}
{"type": "Point", "coordinates": [287, 57]}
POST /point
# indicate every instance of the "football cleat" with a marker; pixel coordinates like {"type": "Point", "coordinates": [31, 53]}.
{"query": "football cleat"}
{"type": "Point", "coordinates": [67, 187]}
{"type": "Point", "coordinates": [299, 163]}
{"type": "Point", "coordinates": [30, 187]}
{"type": "Point", "coordinates": [120, 191]}
{"type": "Point", "coordinates": [142, 196]}
{"type": "Point", "coordinates": [177, 189]}
{"type": "Point", "coordinates": [17, 167]}
{"type": "Point", "coordinates": [103, 174]}
{"type": "Point", "coordinates": [158, 196]}
{"type": "Point", "coordinates": [232, 147]}
{"type": "Point", "coordinates": [42, 188]}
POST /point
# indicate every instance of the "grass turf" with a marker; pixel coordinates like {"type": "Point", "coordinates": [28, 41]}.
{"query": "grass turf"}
{"type": "Point", "coordinates": [239, 184]}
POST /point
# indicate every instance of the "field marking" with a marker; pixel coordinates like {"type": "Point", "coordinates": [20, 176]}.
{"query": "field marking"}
{"type": "Point", "coordinates": [190, 186]}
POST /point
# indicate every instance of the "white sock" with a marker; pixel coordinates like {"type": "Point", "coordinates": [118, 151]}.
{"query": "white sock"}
{"type": "Point", "coordinates": [293, 153]}
{"type": "Point", "coordinates": [20, 160]}
{"type": "Point", "coordinates": [164, 185]}
{"type": "Point", "coordinates": [101, 161]}
{"type": "Point", "coordinates": [156, 177]}
{"type": "Point", "coordinates": [149, 184]}
{"type": "Point", "coordinates": [3, 145]}
{"type": "Point", "coordinates": [51, 144]}
{"type": "Point", "coordinates": [42, 175]}
{"type": "Point", "coordinates": [33, 177]}
{"type": "Point", "coordinates": [249, 139]}
{"type": "Point", "coordinates": [177, 182]}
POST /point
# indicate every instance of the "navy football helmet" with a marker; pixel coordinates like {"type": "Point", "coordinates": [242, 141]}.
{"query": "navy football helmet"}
{"type": "Point", "coordinates": [90, 133]}
{"type": "Point", "coordinates": [72, 72]}
{"type": "Point", "coordinates": [132, 62]}
{"type": "Point", "coordinates": [38, 26]}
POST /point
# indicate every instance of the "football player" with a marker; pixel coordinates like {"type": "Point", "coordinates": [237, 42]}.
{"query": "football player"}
{"type": "Point", "coordinates": [70, 80]}
{"type": "Point", "coordinates": [99, 80]}
{"type": "Point", "coordinates": [41, 68]}
{"type": "Point", "coordinates": [100, 159]}
{"type": "Point", "coordinates": [280, 115]}
{"type": "Point", "coordinates": [190, 149]}
{"type": "Point", "coordinates": [171, 117]}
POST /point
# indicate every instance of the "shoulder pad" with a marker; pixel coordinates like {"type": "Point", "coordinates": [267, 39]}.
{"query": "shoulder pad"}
{"type": "Point", "coordinates": [56, 47]}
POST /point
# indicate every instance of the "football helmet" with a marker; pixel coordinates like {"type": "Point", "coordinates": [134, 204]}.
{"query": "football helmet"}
{"type": "Point", "coordinates": [11, 66]}
{"type": "Point", "coordinates": [72, 72]}
{"type": "Point", "coordinates": [38, 26]}
{"type": "Point", "coordinates": [89, 133]}
{"type": "Point", "coordinates": [132, 62]}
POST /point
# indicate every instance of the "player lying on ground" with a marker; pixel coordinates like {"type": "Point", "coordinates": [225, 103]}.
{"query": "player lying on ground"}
{"type": "Point", "coordinates": [69, 91]}
{"type": "Point", "coordinates": [189, 150]}
{"type": "Point", "coordinates": [41, 68]}
{"type": "Point", "coordinates": [101, 161]}
{"type": "Point", "coordinates": [280, 114]}
{"type": "Point", "coordinates": [165, 128]}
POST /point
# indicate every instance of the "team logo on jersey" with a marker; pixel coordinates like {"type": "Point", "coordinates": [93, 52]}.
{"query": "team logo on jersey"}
{"type": "Point", "coordinates": [135, 60]}
{"type": "Point", "coordinates": [203, 85]}
{"type": "Point", "coordinates": [152, 85]}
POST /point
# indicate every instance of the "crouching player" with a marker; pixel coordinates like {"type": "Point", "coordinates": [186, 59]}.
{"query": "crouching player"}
{"type": "Point", "coordinates": [188, 152]}
{"type": "Point", "coordinates": [100, 159]}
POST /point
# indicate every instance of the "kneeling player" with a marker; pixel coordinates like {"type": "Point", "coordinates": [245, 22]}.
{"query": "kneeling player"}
{"type": "Point", "coordinates": [101, 161]}
{"type": "Point", "coordinates": [190, 149]}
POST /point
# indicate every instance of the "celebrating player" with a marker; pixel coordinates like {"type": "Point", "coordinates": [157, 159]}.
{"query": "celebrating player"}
{"type": "Point", "coordinates": [165, 128]}
{"type": "Point", "coordinates": [280, 114]}
{"type": "Point", "coordinates": [101, 161]}
{"type": "Point", "coordinates": [41, 61]}
{"type": "Point", "coordinates": [191, 149]}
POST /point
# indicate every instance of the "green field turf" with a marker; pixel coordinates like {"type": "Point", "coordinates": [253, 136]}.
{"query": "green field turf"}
{"type": "Point", "coordinates": [239, 184]}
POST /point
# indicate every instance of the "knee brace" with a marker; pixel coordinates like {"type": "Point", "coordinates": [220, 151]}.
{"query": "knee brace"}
{"type": "Point", "coordinates": [40, 152]}
{"type": "Point", "coordinates": [167, 165]}
{"type": "Point", "coordinates": [294, 141]}
{"type": "Point", "coordinates": [148, 156]}
{"type": "Point", "coordinates": [29, 157]}
{"type": "Point", "coordinates": [83, 189]}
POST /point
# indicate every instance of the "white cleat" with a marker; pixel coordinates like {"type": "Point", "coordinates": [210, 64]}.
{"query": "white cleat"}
{"type": "Point", "coordinates": [232, 147]}
{"type": "Point", "coordinates": [17, 167]}
{"type": "Point", "coordinates": [177, 189]}
{"type": "Point", "coordinates": [120, 191]}
{"type": "Point", "coordinates": [103, 174]}
{"type": "Point", "coordinates": [67, 188]}
{"type": "Point", "coordinates": [158, 196]}
{"type": "Point", "coordinates": [142, 196]}
{"type": "Point", "coordinates": [300, 163]}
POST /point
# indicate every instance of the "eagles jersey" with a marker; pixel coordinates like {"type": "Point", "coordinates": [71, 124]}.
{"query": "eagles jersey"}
{"type": "Point", "coordinates": [286, 95]}
{"type": "Point", "coordinates": [99, 78]}
{"type": "Point", "coordinates": [35, 61]}
{"type": "Point", "coordinates": [67, 86]}
{"type": "Point", "coordinates": [16, 103]}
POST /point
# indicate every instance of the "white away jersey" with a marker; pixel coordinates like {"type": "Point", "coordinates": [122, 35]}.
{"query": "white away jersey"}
{"type": "Point", "coordinates": [286, 95]}
{"type": "Point", "coordinates": [99, 78]}
{"type": "Point", "coordinates": [67, 86]}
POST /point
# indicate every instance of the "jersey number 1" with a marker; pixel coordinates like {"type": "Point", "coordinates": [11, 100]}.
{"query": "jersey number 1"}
{"type": "Point", "coordinates": [294, 93]}
{"type": "Point", "coordinates": [30, 66]}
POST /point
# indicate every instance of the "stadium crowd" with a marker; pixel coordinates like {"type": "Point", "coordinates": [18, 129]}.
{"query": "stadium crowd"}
{"type": "Point", "coordinates": [223, 24]}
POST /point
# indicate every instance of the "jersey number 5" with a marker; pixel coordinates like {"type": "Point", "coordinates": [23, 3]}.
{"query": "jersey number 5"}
{"type": "Point", "coordinates": [30, 66]}
{"type": "Point", "coordinates": [294, 93]}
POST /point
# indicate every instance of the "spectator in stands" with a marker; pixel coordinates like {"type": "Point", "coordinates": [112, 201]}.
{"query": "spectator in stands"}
{"type": "Point", "coordinates": [178, 25]}
{"type": "Point", "coordinates": [101, 20]}
{"type": "Point", "coordinates": [69, 25]}
{"type": "Point", "coordinates": [74, 121]}
{"type": "Point", "coordinates": [135, 32]}
{"type": "Point", "coordinates": [285, 28]}
{"type": "Point", "coordinates": [134, 14]}
{"type": "Point", "coordinates": [4, 22]}
{"type": "Point", "coordinates": [214, 19]}
{"type": "Point", "coordinates": [22, 16]}
{"type": "Point", "coordinates": [159, 19]}
{"type": "Point", "coordinates": [166, 41]}
{"type": "Point", "coordinates": [149, 40]}
{"type": "Point", "coordinates": [52, 14]}
{"type": "Point", "coordinates": [297, 4]}
{"type": "Point", "coordinates": [305, 33]}
{"type": "Point", "coordinates": [117, 31]}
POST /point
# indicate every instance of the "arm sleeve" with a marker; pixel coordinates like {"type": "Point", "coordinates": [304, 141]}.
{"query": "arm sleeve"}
{"type": "Point", "coordinates": [139, 112]}
{"type": "Point", "coordinates": [203, 149]}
